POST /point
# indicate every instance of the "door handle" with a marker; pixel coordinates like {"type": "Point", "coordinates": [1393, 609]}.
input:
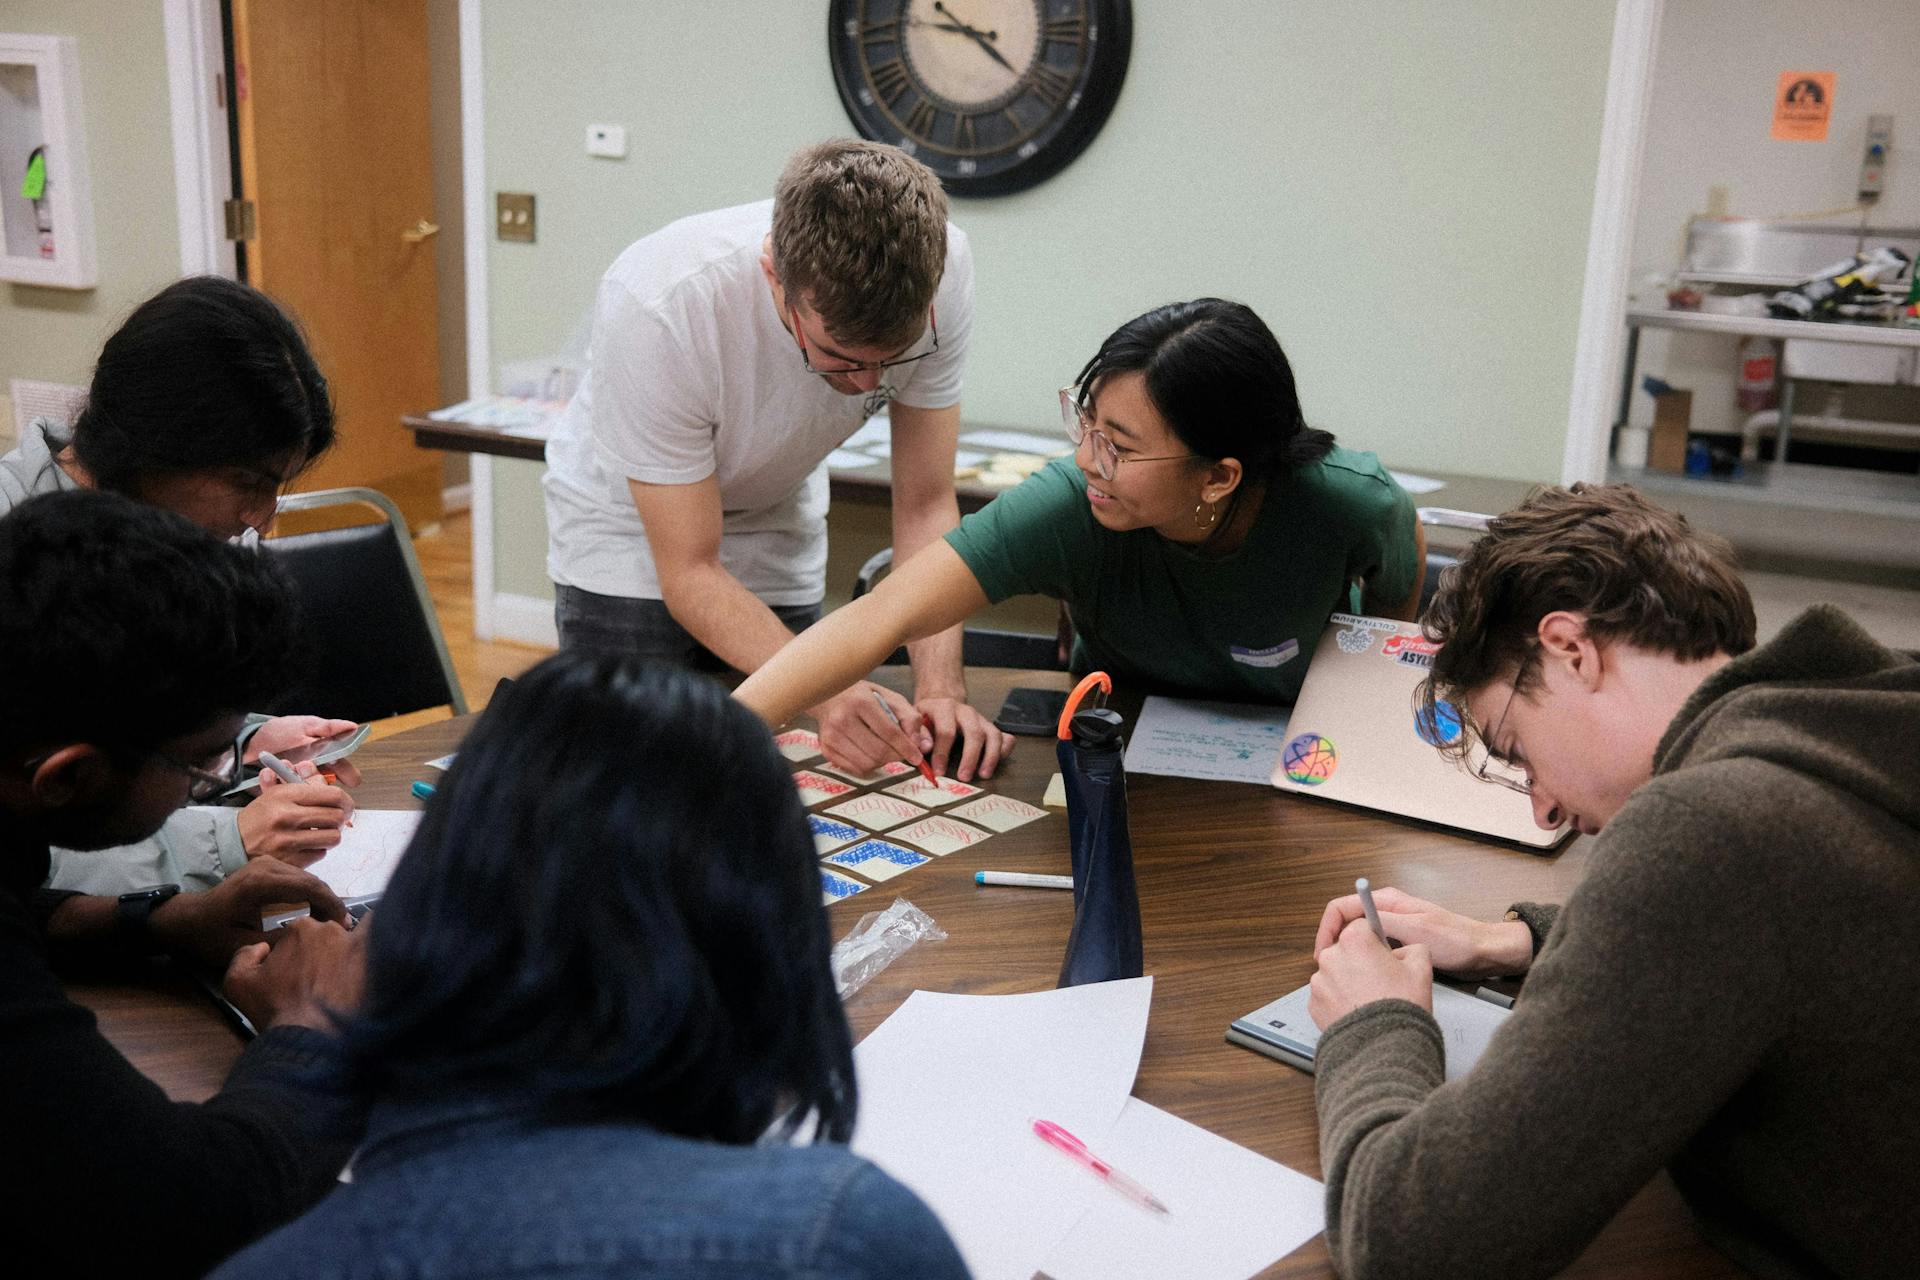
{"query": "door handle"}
{"type": "Point", "coordinates": [421, 230]}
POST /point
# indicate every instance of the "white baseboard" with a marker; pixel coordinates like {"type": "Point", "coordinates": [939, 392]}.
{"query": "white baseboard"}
{"type": "Point", "coordinates": [457, 497]}
{"type": "Point", "coordinates": [527, 619]}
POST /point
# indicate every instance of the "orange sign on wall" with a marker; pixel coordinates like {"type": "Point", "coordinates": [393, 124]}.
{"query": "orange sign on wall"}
{"type": "Point", "coordinates": [1802, 104]}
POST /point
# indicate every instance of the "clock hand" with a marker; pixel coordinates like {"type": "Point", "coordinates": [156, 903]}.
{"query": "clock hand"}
{"type": "Point", "coordinates": [979, 37]}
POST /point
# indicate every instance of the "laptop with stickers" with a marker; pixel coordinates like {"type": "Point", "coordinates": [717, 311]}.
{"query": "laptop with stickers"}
{"type": "Point", "coordinates": [1356, 736]}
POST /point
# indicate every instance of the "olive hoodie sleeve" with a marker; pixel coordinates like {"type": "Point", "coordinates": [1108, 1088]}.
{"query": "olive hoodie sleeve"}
{"type": "Point", "coordinates": [1616, 1054]}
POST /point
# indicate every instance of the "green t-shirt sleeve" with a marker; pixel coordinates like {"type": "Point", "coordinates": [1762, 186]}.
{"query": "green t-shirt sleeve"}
{"type": "Point", "coordinates": [1033, 539]}
{"type": "Point", "coordinates": [1383, 551]}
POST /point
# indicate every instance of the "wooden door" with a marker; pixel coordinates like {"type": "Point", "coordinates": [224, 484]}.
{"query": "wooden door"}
{"type": "Point", "coordinates": [335, 154]}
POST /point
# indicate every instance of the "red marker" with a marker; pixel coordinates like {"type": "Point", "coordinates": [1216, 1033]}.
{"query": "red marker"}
{"type": "Point", "coordinates": [926, 770]}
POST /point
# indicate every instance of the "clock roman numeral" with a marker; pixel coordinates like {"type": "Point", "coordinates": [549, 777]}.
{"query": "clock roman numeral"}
{"type": "Point", "coordinates": [919, 121]}
{"type": "Point", "coordinates": [965, 137]}
{"type": "Point", "coordinates": [873, 33]}
{"type": "Point", "coordinates": [890, 79]}
{"type": "Point", "coordinates": [1049, 85]}
{"type": "Point", "coordinates": [1065, 30]}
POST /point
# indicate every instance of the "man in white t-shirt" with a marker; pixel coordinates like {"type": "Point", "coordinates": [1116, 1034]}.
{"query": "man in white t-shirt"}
{"type": "Point", "coordinates": [732, 352]}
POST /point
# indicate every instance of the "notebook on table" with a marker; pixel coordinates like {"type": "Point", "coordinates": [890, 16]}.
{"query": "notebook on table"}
{"type": "Point", "coordinates": [1283, 1030]}
{"type": "Point", "coordinates": [1356, 736]}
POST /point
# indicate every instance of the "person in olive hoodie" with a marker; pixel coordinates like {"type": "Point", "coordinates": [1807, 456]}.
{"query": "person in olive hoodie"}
{"type": "Point", "coordinates": [1729, 992]}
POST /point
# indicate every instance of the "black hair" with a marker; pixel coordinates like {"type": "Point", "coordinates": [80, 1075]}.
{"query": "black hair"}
{"type": "Point", "coordinates": [612, 909]}
{"type": "Point", "coordinates": [123, 625]}
{"type": "Point", "coordinates": [1217, 374]}
{"type": "Point", "coordinates": [206, 373]}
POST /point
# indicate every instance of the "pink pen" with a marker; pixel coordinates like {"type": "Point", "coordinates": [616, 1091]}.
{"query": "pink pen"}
{"type": "Point", "coordinates": [1059, 1139]}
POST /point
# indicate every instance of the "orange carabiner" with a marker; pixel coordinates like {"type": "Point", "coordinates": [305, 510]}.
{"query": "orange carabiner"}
{"type": "Point", "coordinates": [1080, 691]}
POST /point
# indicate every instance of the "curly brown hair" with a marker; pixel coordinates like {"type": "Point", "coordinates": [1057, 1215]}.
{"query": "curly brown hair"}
{"type": "Point", "coordinates": [860, 234]}
{"type": "Point", "coordinates": [1636, 572]}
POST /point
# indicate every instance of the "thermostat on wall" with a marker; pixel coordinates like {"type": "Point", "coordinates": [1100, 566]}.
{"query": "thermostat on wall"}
{"type": "Point", "coordinates": [609, 140]}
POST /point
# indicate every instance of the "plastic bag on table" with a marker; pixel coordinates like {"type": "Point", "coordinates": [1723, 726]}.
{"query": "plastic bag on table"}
{"type": "Point", "coordinates": [877, 941]}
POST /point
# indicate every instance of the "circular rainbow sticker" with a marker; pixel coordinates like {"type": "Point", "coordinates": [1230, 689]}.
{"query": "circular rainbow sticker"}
{"type": "Point", "coordinates": [1439, 729]}
{"type": "Point", "coordinates": [1309, 760]}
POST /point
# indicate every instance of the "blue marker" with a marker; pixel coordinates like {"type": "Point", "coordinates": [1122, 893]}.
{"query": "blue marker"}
{"type": "Point", "coordinates": [422, 790]}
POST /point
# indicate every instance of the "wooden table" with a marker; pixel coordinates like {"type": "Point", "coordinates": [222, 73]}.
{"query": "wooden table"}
{"type": "Point", "coordinates": [1232, 881]}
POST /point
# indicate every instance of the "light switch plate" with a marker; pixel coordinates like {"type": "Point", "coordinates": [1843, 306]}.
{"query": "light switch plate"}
{"type": "Point", "coordinates": [608, 140]}
{"type": "Point", "coordinates": [513, 216]}
{"type": "Point", "coordinates": [1873, 165]}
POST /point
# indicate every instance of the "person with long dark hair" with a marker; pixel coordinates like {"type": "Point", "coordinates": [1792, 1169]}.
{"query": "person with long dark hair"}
{"type": "Point", "coordinates": [1200, 535]}
{"type": "Point", "coordinates": [599, 1028]}
{"type": "Point", "coordinates": [205, 402]}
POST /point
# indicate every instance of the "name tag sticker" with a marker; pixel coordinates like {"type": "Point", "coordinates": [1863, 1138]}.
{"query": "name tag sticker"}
{"type": "Point", "coordinates": [1272, 656]}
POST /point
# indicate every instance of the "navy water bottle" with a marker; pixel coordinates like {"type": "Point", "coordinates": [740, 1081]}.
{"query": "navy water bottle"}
{"type": "Point", "coordinates": [1105, 942]}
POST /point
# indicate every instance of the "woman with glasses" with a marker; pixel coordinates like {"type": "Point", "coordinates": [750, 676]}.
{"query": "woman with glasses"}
{"type": "Point", "coordinates": [599, 1028]}
{"type": "Point", "coordinates": [206, 402]}
{"type": "Point", "coordinates": [1201, 533]}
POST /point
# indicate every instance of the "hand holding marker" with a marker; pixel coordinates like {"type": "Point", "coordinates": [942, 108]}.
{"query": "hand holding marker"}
{"type": "Point", "coordinates": [285, 772]}
{"type": "Point", "coordinates": [926, 770]}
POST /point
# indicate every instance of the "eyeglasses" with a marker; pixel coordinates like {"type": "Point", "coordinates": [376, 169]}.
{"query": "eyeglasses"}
{"type": "Point", "coordinates": [1524, 783]}
{"type": "Point", "coordinates": [206, 783]}
{"type": "Point", "coordinates": [1106, 455]}
{"type": "Point", "coordinates": [860, 366]}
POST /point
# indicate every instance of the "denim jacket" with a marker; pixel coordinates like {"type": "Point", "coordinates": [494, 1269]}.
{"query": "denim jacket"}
{"type": "Point", "coordinates": [485, 1189]}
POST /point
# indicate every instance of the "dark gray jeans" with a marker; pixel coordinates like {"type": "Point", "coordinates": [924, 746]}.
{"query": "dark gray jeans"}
{"type": "Point", "coordinates": [620, 624]}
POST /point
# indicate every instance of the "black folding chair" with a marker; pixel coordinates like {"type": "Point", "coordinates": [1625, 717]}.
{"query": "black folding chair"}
{"type": "Point", "coordinates": [1437, 561]}
{"type": "Point", "coordinates": [374, 647]}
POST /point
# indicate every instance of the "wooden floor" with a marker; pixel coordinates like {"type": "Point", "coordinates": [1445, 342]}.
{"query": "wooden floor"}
{"type": "Point", "coordinates": [446, 559]}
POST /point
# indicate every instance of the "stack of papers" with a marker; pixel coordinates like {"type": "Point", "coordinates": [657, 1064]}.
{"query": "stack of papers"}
{"type": "Point", "coordinates": [949, 1089]}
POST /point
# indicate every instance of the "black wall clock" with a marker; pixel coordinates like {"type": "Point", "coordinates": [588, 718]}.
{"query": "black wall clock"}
{"type": "Point", "coordinates": [993, 95]}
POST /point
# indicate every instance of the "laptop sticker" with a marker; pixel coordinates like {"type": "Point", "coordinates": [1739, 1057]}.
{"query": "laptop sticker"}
{"type": "Point", "coordinates": [1412, 651]}
{"type": "Point", "coordinates": [1309, 759]}
{"type": "Point", "coordinates": [1354, 640]}
{"type": "Point", "coordinates": [1440, 727]}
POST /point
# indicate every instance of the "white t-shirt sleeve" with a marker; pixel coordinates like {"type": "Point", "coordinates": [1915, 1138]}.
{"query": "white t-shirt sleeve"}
{"type": "Point", "coordinates": [936, 380]}
{"type": "Point", "coordinates": [651, 419]}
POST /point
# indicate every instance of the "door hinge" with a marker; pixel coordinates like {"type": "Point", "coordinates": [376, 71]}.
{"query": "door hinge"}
{"type": "Point", "coordinates": [240, 222]}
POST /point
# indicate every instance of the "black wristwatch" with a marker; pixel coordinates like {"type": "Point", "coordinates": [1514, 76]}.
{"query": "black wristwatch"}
{"type": "Point", "coordinates": [133, 919]}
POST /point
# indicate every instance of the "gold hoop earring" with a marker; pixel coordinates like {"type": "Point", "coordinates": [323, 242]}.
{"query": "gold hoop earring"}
{"type": "Point", "coordinates": [1212, 516]}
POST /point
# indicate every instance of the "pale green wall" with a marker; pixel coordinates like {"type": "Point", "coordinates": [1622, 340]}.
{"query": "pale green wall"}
{"type": "Point", "coordinates": [56, 333]}
{"type": "Point", "coordinates": [1402, 190]}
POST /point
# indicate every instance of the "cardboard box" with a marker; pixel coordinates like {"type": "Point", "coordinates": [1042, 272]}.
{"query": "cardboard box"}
{"type": "Point", "coordinates": [1667, 448]}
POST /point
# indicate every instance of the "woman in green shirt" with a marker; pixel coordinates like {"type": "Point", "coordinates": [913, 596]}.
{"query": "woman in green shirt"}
{"type": "Point", "coordinates": [1200, 535]}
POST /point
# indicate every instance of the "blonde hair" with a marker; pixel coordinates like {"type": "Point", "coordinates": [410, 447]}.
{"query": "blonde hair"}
{"type": "Point", "coordinates": [860, 234]}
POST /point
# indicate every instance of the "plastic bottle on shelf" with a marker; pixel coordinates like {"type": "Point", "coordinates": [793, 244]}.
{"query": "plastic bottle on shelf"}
{"type": "Point", "coordinates": [1759, 367]}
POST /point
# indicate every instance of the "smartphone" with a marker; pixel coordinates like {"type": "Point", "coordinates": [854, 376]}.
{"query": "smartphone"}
{"type": "Point", "coordinates": [321, 752]}
{"type": "Point", "coordinates": [1032, 711]}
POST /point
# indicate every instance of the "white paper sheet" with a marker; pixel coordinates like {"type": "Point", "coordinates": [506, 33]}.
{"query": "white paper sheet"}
{"type": "Point", "coordinates": [368, 851]}
{"type": "Point", "coordinates": [1018, 442]}
{"type": "Point", "coordinates": [948, 1087]}
{"type": "Point", "coordinates": [443, 763]}
{"type": "Point", "coordinates": [1233, 1212]}
{"type": "Point", "coordinates": [1221, 741]}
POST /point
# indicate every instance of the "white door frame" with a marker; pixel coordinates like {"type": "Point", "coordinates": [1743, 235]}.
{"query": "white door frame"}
{"type": "Point", "coordinates": [202, 162]}
{"type": "Point", "coordinates": [1600, 345]}
{"type": "Point", "coordinates": [473, 173]}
